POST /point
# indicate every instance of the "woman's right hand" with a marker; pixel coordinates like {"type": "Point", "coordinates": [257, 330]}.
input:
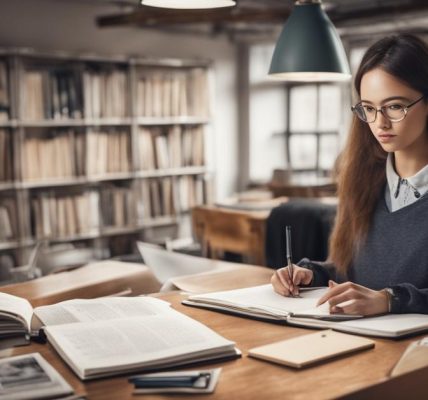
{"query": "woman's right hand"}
{"type": "Point", "coordinates": [282, 283]}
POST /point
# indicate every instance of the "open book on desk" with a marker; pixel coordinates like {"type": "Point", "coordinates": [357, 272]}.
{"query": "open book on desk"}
{"type": "Point", "coordinates": [262, 302]}
{"type": "Point", "coordinates": [111, 335]}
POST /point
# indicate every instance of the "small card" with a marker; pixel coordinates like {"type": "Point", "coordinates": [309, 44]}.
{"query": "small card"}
{"type": "Point", "coordinates": [309, 349]}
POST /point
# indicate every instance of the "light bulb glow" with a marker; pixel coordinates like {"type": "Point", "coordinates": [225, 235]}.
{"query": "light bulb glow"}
{"type": "Point", "coordinates": [189, 4]}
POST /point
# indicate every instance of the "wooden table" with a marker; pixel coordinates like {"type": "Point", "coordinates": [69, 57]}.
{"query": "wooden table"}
{"type": "Point", "coordinates": [247, 378]}
{"type": "Point", "coordinates": [238, 228]}
{"type": "Point", "coordinates": [103, 278]}
{"type": "Point", "coordinates": [240, 231]}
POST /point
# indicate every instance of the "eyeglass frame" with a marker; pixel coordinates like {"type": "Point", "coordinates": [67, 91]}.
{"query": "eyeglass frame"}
{"type": "Point", "coordinates": [381, 109]}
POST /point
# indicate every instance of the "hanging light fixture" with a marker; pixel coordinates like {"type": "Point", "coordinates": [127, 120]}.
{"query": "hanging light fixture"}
{"type": "Point", "coordinates": [309, 48]}
{"type": "Point", "coordinates": [189, 4]}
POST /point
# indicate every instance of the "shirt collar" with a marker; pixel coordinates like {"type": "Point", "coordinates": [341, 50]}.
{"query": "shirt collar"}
{"type": "Point", "coordinates": [418, 181]}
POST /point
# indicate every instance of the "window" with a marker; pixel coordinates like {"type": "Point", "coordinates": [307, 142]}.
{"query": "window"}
{"type": "Point", "coordinates": [293, 126]}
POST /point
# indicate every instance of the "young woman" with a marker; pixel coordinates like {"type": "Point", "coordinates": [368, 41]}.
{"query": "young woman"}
{"type": "Point", "coordinates": [378, 256]}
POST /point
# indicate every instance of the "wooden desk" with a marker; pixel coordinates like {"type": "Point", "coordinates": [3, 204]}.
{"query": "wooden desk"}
{"type": "Point", "coordinates": [238, 228]}
{"type": "Point", "coordinates": [247, 378]}
{"type": "Point", "coordinates": [221, 229]}
{"type": "Point", "coordinates": [97, 279]}
{"type": "Point", "coordinates": [303, 186]}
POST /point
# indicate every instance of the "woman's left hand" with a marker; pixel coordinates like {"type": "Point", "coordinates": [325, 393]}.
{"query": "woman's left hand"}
{"type": "Point", "coordinates": [359, 299]}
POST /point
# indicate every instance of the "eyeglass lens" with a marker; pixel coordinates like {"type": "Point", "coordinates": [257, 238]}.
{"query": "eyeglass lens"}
{"type": "Point", "coordinates": [368, 113]}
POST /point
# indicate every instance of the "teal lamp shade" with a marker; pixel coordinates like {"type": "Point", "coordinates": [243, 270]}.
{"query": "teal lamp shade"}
{"type": "Point", "coordinates": [309, 48]}
{"type": "Point", "coordinates": [189, 4]}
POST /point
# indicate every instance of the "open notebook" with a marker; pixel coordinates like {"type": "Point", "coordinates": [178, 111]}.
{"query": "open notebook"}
{"type": "Point", "coordinates": [263, 303]}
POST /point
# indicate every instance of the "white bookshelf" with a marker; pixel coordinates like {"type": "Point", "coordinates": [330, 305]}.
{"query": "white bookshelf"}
{"type": "Point", "coordinates": [75, 123]}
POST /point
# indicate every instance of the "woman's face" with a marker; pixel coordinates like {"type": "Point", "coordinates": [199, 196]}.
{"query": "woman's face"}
{"type": "Point", "coordinates": [378, 88]}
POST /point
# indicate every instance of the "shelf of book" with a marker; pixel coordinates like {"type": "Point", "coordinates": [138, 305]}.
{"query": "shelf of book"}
{"type": "Point", "coordinates": [9, 245]}
{"type": "Point", "coordinates": [7, 186]}
{"type": "Point", "coordinates": [8, 124]}
{"type": "Point", "coordinates": [94, 147]}
{"type": "Point", "coordinates": [171, 172]}
{"type": "Point", "coordinates": [185, 120]}
{"type": "Point", "coordinates": [48, 123]}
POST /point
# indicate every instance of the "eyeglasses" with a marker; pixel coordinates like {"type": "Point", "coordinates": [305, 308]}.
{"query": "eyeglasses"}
{"type": "Point", "coordinates": [394, 112]}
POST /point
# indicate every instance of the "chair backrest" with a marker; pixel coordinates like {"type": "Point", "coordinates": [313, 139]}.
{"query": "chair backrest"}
{"type": "Point", "coordinates": [311, 222]}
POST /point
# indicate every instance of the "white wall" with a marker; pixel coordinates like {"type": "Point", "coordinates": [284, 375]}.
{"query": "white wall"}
{"type": "Point", "coordinates": [71, 26]}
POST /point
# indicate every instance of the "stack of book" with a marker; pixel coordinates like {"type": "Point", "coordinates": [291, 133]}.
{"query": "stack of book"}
{"type": "Point", "coordinates": [58, 216]}
{"type": "Point", "coordinates": [156, 198]}
{"type": "Point", "coordinates": [8, 221]}
{"type": "Point", "coordinates": [52, 94]}
{"type": "Point", "coordinates": [172, 147]}
{"type": "Point", "coordinates": [169, 94]}
{"type": "Point", "coordinates": [105, 93]}
{"type": "Point", "coordinates": [6, 170]}
{"type": "Point", "coordinates": [117, 206]}
{"type": "Point", "coordinates": [108, 151]}
{"type": "Point", "coordinates": [4, 93]}
{"type": "Point", "coordinates": [112, 335]}
{"type": "Point", "coordinates": [169, 196]}
{"type": "Point", "coordinates": [56, 154]}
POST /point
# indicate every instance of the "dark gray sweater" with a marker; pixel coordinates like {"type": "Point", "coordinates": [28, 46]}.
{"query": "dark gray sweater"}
{"type": "Point", "coordinates": [394, 255]}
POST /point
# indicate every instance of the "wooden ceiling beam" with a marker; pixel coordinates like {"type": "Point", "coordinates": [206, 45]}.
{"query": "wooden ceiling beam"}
{"type": "Point", "coordinates": [153, 17]}
{"type": "Point", "coordinates": [382, 10]}
{"type": "Point", "coordinates": [144, 17]}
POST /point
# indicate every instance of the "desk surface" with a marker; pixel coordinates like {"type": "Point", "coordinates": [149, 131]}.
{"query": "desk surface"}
{"type": "Point", "coordinates": [247, 378]}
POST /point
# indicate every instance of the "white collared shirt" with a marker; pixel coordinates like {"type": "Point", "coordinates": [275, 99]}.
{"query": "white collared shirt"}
{"type": "Point", "coordinates": [400, 192]}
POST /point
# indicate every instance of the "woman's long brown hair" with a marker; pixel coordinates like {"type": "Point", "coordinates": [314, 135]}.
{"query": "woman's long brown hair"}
{"type": "Point", "coordinates": [361, 167]}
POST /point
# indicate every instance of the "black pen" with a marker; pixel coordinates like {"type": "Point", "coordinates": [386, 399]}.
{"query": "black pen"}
{"type": "Point", "coordinates": [288, 252]}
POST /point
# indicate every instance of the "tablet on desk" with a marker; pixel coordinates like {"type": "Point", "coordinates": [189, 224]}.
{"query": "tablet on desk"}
{"type": "Point", "coordinates": [309, 349]}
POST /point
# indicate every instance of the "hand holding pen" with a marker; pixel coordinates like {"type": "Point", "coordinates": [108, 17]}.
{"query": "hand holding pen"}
{"type": "Point", "coordinates": [286, 281]}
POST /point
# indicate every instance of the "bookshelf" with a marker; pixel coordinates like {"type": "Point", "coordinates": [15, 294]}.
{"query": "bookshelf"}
{"type": "Point", "coordinates": [97, 150]}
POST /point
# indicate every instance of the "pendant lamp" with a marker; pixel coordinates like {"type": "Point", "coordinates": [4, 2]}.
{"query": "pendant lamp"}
{"type": "Point", "coordinates": [189, 4]}
{"type": "Point", "coordinates": [309, 48]}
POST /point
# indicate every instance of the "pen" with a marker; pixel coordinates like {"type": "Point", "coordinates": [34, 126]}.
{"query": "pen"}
{"type": "Point", "coordinates": [288, 252]}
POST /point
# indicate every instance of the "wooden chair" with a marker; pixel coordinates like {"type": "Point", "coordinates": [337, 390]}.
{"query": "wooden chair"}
{"type": "Point", "coordinates": [219, 230]}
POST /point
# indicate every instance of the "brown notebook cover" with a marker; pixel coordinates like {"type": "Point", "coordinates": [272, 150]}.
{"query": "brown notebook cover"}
{"type": "Point", "coordinates": [305, 350]}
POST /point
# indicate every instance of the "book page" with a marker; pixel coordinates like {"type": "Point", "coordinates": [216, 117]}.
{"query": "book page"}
{"type": "Point", "coordinates": [100, 347]}
{"type": "Point", "coordinates": [263, 297]}
{"type": "Point", "coordinates": [100, 309]}
{"type": "Point", "coordinates": [17, 306]}
{"type": "Point", "coordinates": [387, 325]}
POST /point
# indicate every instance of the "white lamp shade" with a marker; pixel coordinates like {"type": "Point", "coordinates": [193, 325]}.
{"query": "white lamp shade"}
{"type": "Point", "coordinates": [189, 4]}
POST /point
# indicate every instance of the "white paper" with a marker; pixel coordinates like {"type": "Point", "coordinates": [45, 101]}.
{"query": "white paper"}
{"type": "Point", "coordinates": [167, 264]}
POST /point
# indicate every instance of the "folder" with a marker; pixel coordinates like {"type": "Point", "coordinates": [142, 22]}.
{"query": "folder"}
{"type": "Point", "coordinates": [309, 349]}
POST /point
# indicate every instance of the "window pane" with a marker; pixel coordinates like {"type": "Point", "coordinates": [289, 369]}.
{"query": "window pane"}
{"type": "Point", "coordinates": [329, 108]}
{"type": "Point", "coordinates": [303, 151]}
{"type": "Point", "coordinates": [260, 57]}
{"type": "Point", "coordinates": [267, 124]}
{"type": "Point", "coordinates": [303, 108]}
